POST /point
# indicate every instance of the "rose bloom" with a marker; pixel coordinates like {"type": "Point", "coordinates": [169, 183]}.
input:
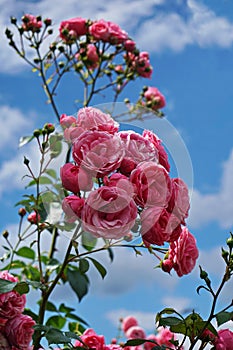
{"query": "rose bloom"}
{"type": "Point", "coordinates": [78, 27]}
{"type": "Point", "coordinates": [91, 340]}
{"type": "Point", "coordinates": [137, 149]}
{"type": "Point", "coordinates": [149, 345]}
{"type": "Point", "coordinates": [109, 212]}
{"type": "Point", "coordinates": [128, 322]}
{"type": "Point", "coordinates": [90, 118]}
{"type": "Point", "coordinates": [34, 217]}
{"type": "Point", "coordinates": [130, 45]}
{"type": "Point", "coordinates": [140, 63]}
{"type": "Point", "coordinates": [152, 184]}
{"type": "Point", "coordinates": [157, 226]}
{"type": "Point", "coordinates": [165, 336]}
{"type": "Point", "coordinates": [98, 152]}
{"type": "Point", "coordinates": [224, 341]}
{"type": "Point", "coordinates": [11, 303]}
{"type": "Point", "coordinates": [75, 178]}
{"type": "Point", "coordinates": [135, 332]}
{"type": "Point", "coordinates": [30, 22]}
{"type": "Point", "coordinates": [153, 95]}
{"type": "Point", "coordinates": [72, 207]}
{"type": "Point", "coordinates": [92, 56]}
{"type": "Point", "coordinates": [116, 34]}
{"type": "Point", "coordinates": [19, 331]}
{"type": "Point", "coordinates": [162, 154]}
{"type": "Point", "coordinates": [73, 132]}
{"type": "Point", "coordinates": [100, 30]}
{"type": "Point", "coordinates": [67, 120]}
{"type": "Point", "coordinates": [179, 202]}
{"type": "Point", "coordinates": [121, 181]}
{"type": "Point", "coordinates": [183, 253]}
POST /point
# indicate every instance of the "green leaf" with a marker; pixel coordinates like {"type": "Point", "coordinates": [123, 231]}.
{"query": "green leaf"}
{"type": "Point", "coordinates": [56, 321]}
{"type": "Point", "coordinates": [6, 286]}
{"type": "Point", "coordinates": [65, 309]}
{"type": "Point", "coordinates": [99, 267]}
{"type": "Point", "coordinates": [52, 173]}
{"type": "Point", "coordinates": [169, 321]}
{"type": "Point", "coordinates": [88, 241]}
{"type": "Point", "coordinates": [223, 317]}
{"type": "Point", "coordinates": [110, 253]}
{"type": "Point", "coordinates": [24, 140]}
{"type": "Point", "coordinates": [76, 318]}
{"type": "Point", "coordinates": [50, 307]}
{"type": "Point", "coordinates": [26, 252]}
{"type": "Point", "coordinates": [136, 342]}
{"type": "Point", "coordinates": [55, 336]}
{"type": "Point", "coordinates": [22, 288]}
{"type": "Point", "coordinates": [78, 282]}
{"type": "Point", "coordinates": [83, 265]}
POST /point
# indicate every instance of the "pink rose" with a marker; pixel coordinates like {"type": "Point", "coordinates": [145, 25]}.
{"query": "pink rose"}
{"type": "Point", "coordinates": [116, 34]}
{"type": "Point", "coordinates": [130, 45]}
{"type": "Point", "coordinates": [72, 207]}
{"type": "Point", "coordinates": [224, 341]}
{"type": "Point", "coordinates": [67, 120]}
{"type": "Point", "coordinates": [152, 184]}
{"type": "Point", "coordinates": [75, 178]}
{"type": "Point", "coordinates": [74, 27]}
{"type": "Point", "coordinates": [113, 347]}
{"type": "Point", "coordinates": [90, 118]}
{"type": "Point", "coordinates": [149, 345]}
{"type": "Point", "coordinates": [179, 201]}
{"type": "Point", "coordinates": [135, 332]}
{"type": "Point", "coordinates": [91, 340]}
{"type": "Point", "coordinates": [121, 181]}
{"type": "Point", "coordinates": [31, 22]}
{"type": "Point", "coordinates": [92, 56]}
{"type": "Point", "coordinates": [34, 217]}
{"type": "Point", "coordinates": [98, 152]}
{"type": "Point", "coordinates": [162, 154]}
{"type": "Point", "coordinates": [4, 345]}
{"type": "Point", "coordinates": [128, 322]}
{"type": "Point", "coordinates": [19, 331]}
{"type": "Point", "coordinates": [183, 253]}
{"type": "Point", "coordinates": [137, 149]}
{"type": "Point", "coordinates": [109, 212]}
{"type": "Point", "coordinates": [140, 63]}
{"type": "Point", "coordinates": [165, 336]}
{"type": "Point", "coordinates": [153, 95]}
{"type": "Point", "coordinates": [71, 133]}
{"type": "Point", "coordinates": [100, 30]}
{"type": "Point", "coordinates": [157, 225]}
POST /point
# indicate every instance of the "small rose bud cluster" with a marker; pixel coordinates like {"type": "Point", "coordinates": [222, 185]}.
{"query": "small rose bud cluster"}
{"type": "Point", "coordinates": [152, 98]}
{"type": "Point", "coordinates": [31, 23]}
{"type": "Point", "coordinates": [95, 341]}
{"type": "Point", "coordinates": [134, 186]}
{"type": "Point", "coordinates": [16, 329]}
{"type": "Point", "coordinates": [132, 330]}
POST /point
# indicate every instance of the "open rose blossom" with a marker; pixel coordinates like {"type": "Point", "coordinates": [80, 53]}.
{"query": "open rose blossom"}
{"type": "Point", "coordinates": [98, 152]}
{"type": "Point", "coordinates": [19, 331]}
{"type": "Point", "coordinates": [183, 253]}
{"type": "Point", "coordinates": [152, 184]}
{"type": "Point", "coordinates": [109, 212]}
{"type": "Point", "coordinates": [135, 332]}
{"type": "Point", "coordinates": [121, 181]}
{"type": "Point", "coordinates": [165, 336]}
{"type": "Point", "coordinates": [75, 178]}
{"type": "Point", "coordinates": [72, 207]}
{"type": "Point", "coordinates": [108, 32]}
{"type": "Point", "coordinates": [137, 149]}
{"type": "Point", "coordinates": [128, 322]}
{"type": "Point", "coordinates": [90, 118]}
{"type": "Point", "coordinates": [158, 226]}
{"type": "Point", "coordinates": [67, 120]}
{"type": "Point", "coordinates": [224, 341]}
{"type": "Point", "coordinates": [74, 26]}
{"type": "Point", "coordinates": [162, 154]}
{"type": "Point", "coordinates": [91, 340]}
{"type": "Point", "coordinates": [11, 303]}
{"type": "Point", "coordinates": [179, 201]}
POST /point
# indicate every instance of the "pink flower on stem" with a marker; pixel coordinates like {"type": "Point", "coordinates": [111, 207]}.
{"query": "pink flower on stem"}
{"type": "Point", "coordinates": [19, 331]}
{"type": "Point", "coordinates": [90, 118]}
{"type": "Point", "coordinates": [137, 149]}
{"type": "Point", "coordinates": [72, 207]}
{"type": "Point", "coordinates": [73, 28]}
{"type": "Point", "coordinates": [183, 253]}
{"type": "Point", "coordinates": [31, 23]}
{"type": "Point", "coordinates": [154, 96]}
{"type": "Point", "coordinates": [128, 322]}
{"type": "Point", "coordinates": [116, 34]}
{"type": "Point", "coordinates": [109, 212]}
{"type": "Point", "coordinates": [108, 32]}
{"type": "Point", "coordinates": [165, 336]}
{"type": "Point", "coordinates": [179, 202]}
{"type": "Point", "coordinates": [162, 154]}
{"type": "Point", "coordinates": [98, 152]}
{"type": "Point", "coordinates": [34, 217]}
{"type": "Point", "coordinates": [129, 45]}
{"type": "Point", "coordinates": [91, 340]}
{"type": "Point", "coordinates": [75, 178]}
{"type": "Point", "coordinates": [152, 184]}
{"type": "Point", "coordinates": [121, 181]}
{"type": "Point", "coordinates": [11, 303]}
{"type": "Point", "coordinates": [135, 332]}
{"type": "Point", "coordinates": [150, 345]}
{"type": "Point", "coordinates": [224, 341]}
{"type": "Point", "coordinates": [140, 63]}
{"type": "Point", "coordinates": [67, 120]}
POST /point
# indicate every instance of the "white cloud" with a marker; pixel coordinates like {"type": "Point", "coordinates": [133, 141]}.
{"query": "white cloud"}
{"type": "Point", "coordinates": [168, 29]}
{"type": "Point", "coordinates": [181, 304]}
{"type": "Point", "coordinates": [215, 207]}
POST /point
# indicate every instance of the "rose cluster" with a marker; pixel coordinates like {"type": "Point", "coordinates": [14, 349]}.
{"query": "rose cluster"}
{"type": "Point", "coordinates": [120, 180]}
{"type": "Point", "coordinates": [16, 329]}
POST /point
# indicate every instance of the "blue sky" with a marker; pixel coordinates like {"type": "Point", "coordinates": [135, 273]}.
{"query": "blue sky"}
{"type": "Point", "coordinates": [191, 48]}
